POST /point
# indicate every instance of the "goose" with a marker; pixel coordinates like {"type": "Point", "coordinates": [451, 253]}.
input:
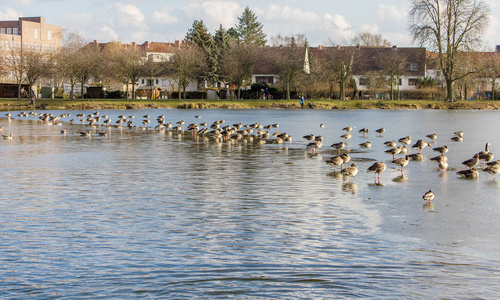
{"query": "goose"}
{"type": "Point", "coordinates": [365, 145]}
{"type": "Point", "coordinates": [442, 149]}
{"type": "Point", "coordinates": [439, 158]}
{"type": "Point", "coordinates": [197, 117]}
{"type": "Point", "coordinates": [338, 146]}
{"type": "Point", "coordinates": [493, 170]}
{"type": "Point", "coordinates": [493, 163]}
{"type": "Point", "coordinates": [486, 156]}
{"type": "Point", "coordinates": [380, 131]}
{"type": "Point", "coordinates": [377, 168]}
{"type": "Point", "coordinates": [314, 146]}
{"type": "Point", "coordinates": [432, 136]}
{"type": "Point", "coordinates": [401, 162]}
{"type": "Point", "coordinates": [443, 165]}
{"type": "Point", "coordinates": [322, 125]}
{"type": "Point", "coordinates": [346, 136]}
{"type": "Point", "coordinates": [428, 197]}
{"type": "Point", "coordinates": [405, 140]}
{"type": "Point", "coordinates": [420, 144]}
{"type": "Point", "coordinates": [416, 156]}
{"type": "Point", "coordinates": [86, 133]}
{"type": "Point", "coordinates": [393, 151]}
{"type": "Point", "coordinates": [472, 162]}
{"type": "Point", "coordinates": [345, 157]}
{"type": "Point", "coordinates": [390, 144]}
{"type": "Point", "coordinates": [459, 133]}
{"type": "Point", "coordinates": [350, 171]}
{"type": "Point", "coordinates": [363, 131]}
{"type": "Point", "coordinates": [457, 139]}
{"type": "Point", "coordinates": [335, 161]}
{"type": "Point", "coordinates": [348, 128]}
{"type": "Point", "coordinates": [8, 137]}
{"type": "Point", "coordinates": [309, 137]}
{"type": "Point", "coordinates": [469, 173]}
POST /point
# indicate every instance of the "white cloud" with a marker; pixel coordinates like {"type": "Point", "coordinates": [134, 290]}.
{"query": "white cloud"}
{"type": "Point", "coordinates": [127, 16]}
{"type": "Point", "coordinates": [9, 14]}
{"type": "Point", "coordinates": [214, 13]}
{"type": "Point", "coordinates": [390, 17]}
{"type": "Point", "coordinates": [164, 17]}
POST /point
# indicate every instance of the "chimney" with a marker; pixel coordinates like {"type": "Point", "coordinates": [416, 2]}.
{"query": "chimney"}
{"type": "Point", "coordinates": [338, 47]}
{"type": "Point", "coordinates": [394, 47]}
{"type": "Point", "coordinates": [320, 47]}
{"type": "Point", "coordinates": [146, 44]}
{"type": "Point", "coordinates": [358, 47]}
{"type": "Point", "coordinates": [178, 44]}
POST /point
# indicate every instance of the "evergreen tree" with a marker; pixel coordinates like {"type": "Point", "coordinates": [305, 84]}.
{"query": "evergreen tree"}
{"type": "Point", "coordinates": [198, 35]}
{"type": "Point", "coordinates": [222, 40]}
{"type": "Point", "coordinates": [250, 30]}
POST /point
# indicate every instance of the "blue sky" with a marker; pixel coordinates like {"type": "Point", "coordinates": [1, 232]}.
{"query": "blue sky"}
{"type": "Point", "coordinates": [320, 21]}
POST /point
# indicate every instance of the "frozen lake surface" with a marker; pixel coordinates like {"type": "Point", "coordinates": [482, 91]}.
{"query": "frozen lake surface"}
{"type": "Point", "coordinates": [143, 213]}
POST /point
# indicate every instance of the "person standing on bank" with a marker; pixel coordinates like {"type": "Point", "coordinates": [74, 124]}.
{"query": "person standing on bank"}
{"type": "Point", "coordinates": [302, 100]}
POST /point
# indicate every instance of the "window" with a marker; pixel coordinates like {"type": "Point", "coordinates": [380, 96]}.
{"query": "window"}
{"type": "Point", "coordinates": [157, 81]}
{"type": "Point", "coordinates": [164, 82]}
{"type": "Point", "coordinates": [363, 81]}
{"type": "Point", "coordinates": [412, 81]}
{"type": "Point", "coordinates": [48, 35]}
{"type": "Point", "coordinates": [413, 67]}
{"type": "Point", "coordinates": [400, 81]}
{"type": "Point", "coordinates": [9, 30]}
{"type": "Point", "coordinates": [16, 31]}
{"type": "Point", "coordinates": [2, 30]}
{"type": "Point", "coordinates": [264, 79]}
{"type": "Point", "coordinates": [142, 81]}
{"type": "Point", "coordinates": [36, 33]}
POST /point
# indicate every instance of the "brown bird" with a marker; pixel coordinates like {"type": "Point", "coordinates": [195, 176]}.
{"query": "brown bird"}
{"type": "Point", "coordinates": [472, 162]}
{"type": "Point", "coordinates": [493, 170]}
{"type": "Point", "coordinates": [350, 171]}
{"type": "Point", "coordinates": [380, 131]}
{"type": "Point", "coordinates": [442, 149]}
{"type": "Point", "coordinates": [401, 162]}
{"type": "Point", "coordinates": [335, 161]}
{"type": "Point", "coordinates": [377, 168]}
{"type": "Point", "coordinates": [469, 173]}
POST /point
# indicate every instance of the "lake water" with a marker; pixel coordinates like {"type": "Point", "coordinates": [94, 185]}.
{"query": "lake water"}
{"type": "Point", "coordinates": [148, 214]}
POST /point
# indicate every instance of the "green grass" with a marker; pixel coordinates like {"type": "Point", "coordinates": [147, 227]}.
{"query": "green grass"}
{"type": "Point", "coordinates": [53, 104]}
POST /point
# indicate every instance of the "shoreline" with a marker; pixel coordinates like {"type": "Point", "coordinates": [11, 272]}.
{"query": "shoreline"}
{"type": "Point", "coordinates": [60, 104]}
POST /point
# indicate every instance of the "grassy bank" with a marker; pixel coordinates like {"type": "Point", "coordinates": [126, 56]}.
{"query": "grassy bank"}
{"type": "Point", "coordinates": [49, 104]}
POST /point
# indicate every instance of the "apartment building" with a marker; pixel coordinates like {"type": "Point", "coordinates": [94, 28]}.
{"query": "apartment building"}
{"type": "Point", "coordinates": [25, 33]}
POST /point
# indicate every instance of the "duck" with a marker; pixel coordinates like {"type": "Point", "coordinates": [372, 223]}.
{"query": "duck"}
{"type": "Point", "coordinates": [338, 146]}
{"type": "Point", "coordinates": [428, 196]}
{"type": "Point", "coordinates": [380, 131]}
{"type": "Point", "coordinates": [493, 170]}
{"type": "Point", "coordinates": [377, 168]}
{"type": "Point", "coordinates": [472, 162]}
{"type": "Point", "coordinates": [401, 162]}
{"type": "Point", "coordinates": [469, 173]}
{"type": "Point", "coordinates": [350, 171]}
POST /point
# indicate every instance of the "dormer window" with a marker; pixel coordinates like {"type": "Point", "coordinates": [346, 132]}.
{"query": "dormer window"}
{"type": "Point", "coordinates": [413, 67]}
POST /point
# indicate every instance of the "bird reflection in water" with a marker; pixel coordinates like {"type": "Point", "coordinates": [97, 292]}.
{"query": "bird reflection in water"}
{"type": "Point", "coordinates": [350, 187]}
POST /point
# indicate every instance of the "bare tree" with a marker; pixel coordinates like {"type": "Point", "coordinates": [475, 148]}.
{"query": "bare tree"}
{"type": "Point", "coordinates": [448, 27]}
{"type": "Point", "coordinates": [186, 66]}
{"type": "Point", "coordinates": [339, 65]}
{"type": "Point", "coordinates": [393, 64]}
{"type": "Point", "coordinates": [37, 64]}
{"type": "Point", "coordinates": [69, 59]}
{"type": "Point", "coordinates": [15, 65]}
{"type": "Point", "coordinates": [237, 64]}
{"type": "Point", "coordinates": [491, 65]}
{"type": "Point", "coordinates": [370, 40]}
{"type": "Point", "coordinates": [288, 60]}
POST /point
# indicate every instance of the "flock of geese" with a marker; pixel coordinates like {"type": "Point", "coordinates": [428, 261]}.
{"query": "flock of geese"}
{"type": "Point", "coordinates": [484, 158]}
{"type": "Point", "coordinates": [257, 133]}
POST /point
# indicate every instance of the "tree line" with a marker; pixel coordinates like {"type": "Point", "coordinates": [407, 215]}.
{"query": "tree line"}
{"type": "Point", "coordinates": [228, 57]}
